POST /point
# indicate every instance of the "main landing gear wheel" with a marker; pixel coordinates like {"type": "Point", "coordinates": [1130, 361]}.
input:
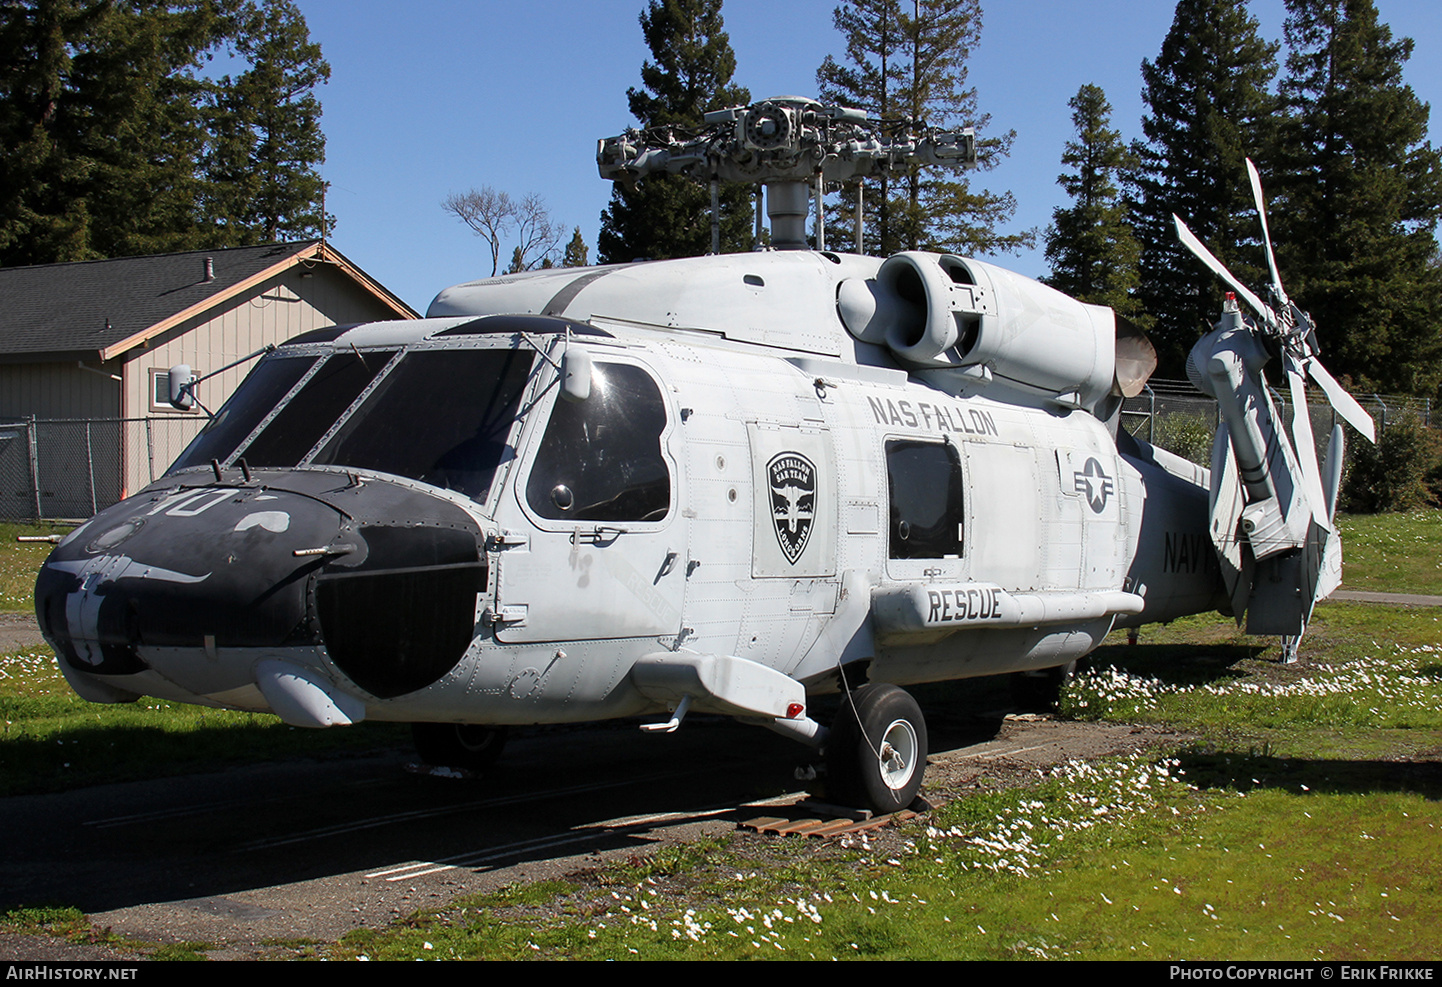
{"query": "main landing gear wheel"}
{"type": "Point", "coordinates": [458, 745]}
{"type": "Point", "coordinates": [876, 754]}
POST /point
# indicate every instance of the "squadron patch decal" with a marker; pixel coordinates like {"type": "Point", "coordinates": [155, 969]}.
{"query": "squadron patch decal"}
{"type": "Point", "coordinates": [793, 501]}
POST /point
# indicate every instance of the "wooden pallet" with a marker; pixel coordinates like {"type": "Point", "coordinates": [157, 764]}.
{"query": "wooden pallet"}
{"type": "Point", "coordinates": [823, 829]}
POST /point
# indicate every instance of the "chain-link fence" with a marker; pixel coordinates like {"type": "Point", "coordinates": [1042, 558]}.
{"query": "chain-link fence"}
{"type": "Point", "coordinates": [1175, 416]}
{"type": "Point", "coordinates": [68, 469]}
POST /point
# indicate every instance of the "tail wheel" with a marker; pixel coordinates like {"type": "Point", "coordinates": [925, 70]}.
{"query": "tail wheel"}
{"type": "Point", "coordinates": [458, 745]}
{"type": "Point", "coordinates": [876, 754]}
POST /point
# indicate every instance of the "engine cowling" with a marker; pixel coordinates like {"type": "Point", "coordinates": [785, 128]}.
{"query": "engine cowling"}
{"type": "Point", "coordinates": [940, 311]}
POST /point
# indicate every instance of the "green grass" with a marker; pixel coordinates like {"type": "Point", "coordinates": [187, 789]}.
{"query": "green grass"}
{"type": "Point", "coordinates": [1369, 683]}
{"type": "Point", "coordinates": [71, 925]}
{"type": "Point", "coordinates": [20, 562]}
{"type": "Point", "coordinates": [1395, 553]}
{"type": "Point", "coordinates": [57, 921]}
{"type": "Point", "coordinates": [53, 740]}
{"type": "Point", "coordinates": [1125, 859]}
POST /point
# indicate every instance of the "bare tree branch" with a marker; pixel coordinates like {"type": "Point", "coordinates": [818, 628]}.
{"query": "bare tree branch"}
{"type": "Point", "coordinates": [538, 235]}
{"type": "Point", "coordinates": [488, 213]}
{"type": "Point", "coordinates": [491, 215]}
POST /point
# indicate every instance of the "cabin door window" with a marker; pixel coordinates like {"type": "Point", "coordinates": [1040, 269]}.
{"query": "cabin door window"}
{"type": "Point", "coordinates": [924, 480]}
{"type": "Point", "coordinates": [604, 550]}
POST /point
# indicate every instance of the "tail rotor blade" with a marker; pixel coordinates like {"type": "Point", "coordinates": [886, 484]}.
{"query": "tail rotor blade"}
{"type": "Point", "coordinates": [1346, 405]}
{"type": "Point", "coordinates": [1266, 233]}
{"type": "Point", "coordinates": [1204, 255]}
{"type": "Point", "coordinates": [1305, 445]}
{"type": "Point", "coordinates": [1332, 475]}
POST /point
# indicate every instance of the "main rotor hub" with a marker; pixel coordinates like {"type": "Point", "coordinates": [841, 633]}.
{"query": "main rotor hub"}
{"type": "Point", "coordinates": [784, 141]}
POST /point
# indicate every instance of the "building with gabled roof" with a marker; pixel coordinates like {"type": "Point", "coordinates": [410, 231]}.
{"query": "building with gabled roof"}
{"type": "Point", "coordinates": [94, 341]}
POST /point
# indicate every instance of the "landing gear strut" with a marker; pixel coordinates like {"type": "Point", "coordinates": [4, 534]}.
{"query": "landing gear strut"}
{"type": "Point", "coordinates": [876, 754]}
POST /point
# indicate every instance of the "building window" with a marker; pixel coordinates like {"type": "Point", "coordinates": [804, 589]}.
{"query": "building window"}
{"type": "Point", "coordinates": [160, 392]}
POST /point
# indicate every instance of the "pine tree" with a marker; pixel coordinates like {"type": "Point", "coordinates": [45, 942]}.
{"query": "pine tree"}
{"type": "Point", "coordinates": [944, 212]}
{"type": "Point", "coordinates": [668, 215]}
{"type": "Point", "coordinates": [1090, 245]}
{"type": "Point", "coordinates": [870, 80]}
{"type": "Point", "coordinates": [1208, 110]}
{"type": "Point", "coordinates": [576, 251]}
{"type": "Point", "coordinates": [112, 142]}
{"type": "Point", "coordinates": [907, 60]}
{"type": "Point", "coordinates": [144, 186]}
{"type": "Point", "coordinates": [267, 143]}
{"type": "Point", "coordinates": [102, 102]}
{"type": "Point", "coordinates": [1356, 197]}
{"type": "Point", "coordinates": [41, 216]}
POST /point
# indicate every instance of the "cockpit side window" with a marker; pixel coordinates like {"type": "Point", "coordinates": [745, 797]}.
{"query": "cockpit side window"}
{"type": "Point", "coordinates": [442, 417]}
{"type": "Point", "coordinates": [261, 391]}
{"type": "Point", "coordinates": [925, 482]}
{"type": "Point", "coordinates": [600, 459]}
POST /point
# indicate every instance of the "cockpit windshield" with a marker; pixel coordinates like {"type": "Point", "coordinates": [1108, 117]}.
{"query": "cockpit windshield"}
{"type": "Point", "coordinates": [438, 416]}
{"type": "Point", "coordinates": [313, 409]}
{"type": "Point", "coordinates": [441, 417]}
{"type": "Point", "coordinates": [264, 388]}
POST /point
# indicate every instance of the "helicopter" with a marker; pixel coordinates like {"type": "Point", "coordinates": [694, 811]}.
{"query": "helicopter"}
{"type": "Point", "coordinates": [725, 484]}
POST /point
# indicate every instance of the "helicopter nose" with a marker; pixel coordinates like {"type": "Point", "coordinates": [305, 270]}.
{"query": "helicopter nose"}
{"type": "Point", "coordinates": [202, 586]}
{"type": "Point", "coordinates": [207, 568]}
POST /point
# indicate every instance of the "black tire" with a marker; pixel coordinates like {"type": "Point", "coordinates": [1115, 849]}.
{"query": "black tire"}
{"type": "Point", "coordinates": [876, 755]}
{"type": "Point", "coordinates": [458, 745]}
{"type": "Point", "coordinates": [1041, 691]}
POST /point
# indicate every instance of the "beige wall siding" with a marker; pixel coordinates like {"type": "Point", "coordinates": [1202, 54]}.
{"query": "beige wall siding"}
{"type": "Point", "coordinates": [58, 390]}
{"type": "Point", "coordinates": [303, 298]}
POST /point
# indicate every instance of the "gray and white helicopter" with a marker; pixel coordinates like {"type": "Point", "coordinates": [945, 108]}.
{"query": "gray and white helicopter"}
{"type": "Point", "coordinates": [724, 484]}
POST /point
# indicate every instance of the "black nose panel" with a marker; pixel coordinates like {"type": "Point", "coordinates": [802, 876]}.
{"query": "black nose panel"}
{"type": "Point", "coordinates": [208, 566]}
{"type": "Point", "coordinates": [384, 575]}
{"type": "Point", "coordinates": [404, 617]}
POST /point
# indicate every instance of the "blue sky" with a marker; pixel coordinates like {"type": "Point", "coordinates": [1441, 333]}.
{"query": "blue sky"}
{"type": "Point", "coordinates": [438, 96]}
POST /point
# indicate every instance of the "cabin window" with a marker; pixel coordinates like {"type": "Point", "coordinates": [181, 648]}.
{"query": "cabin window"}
{"type": "Point", "coordinates": [261, 391]}
{"type": "Point", "coordinates": [315, 408]}
{"type": "Point", "coordinates": [924, 479]}
{"type": "Point", "coordinates": [600, 459]}
{"type": "Point", "coordinates": [442, 417]}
